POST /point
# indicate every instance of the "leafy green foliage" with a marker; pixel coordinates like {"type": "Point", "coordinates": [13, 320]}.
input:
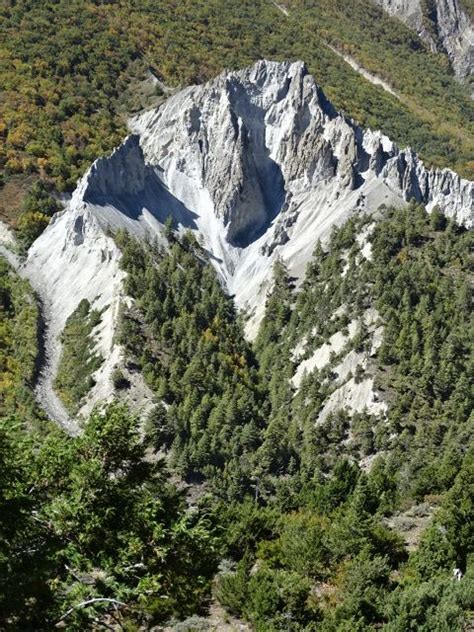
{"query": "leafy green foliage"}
{"type": "Point", "coordinates": [90, 519]}
{"type": "Point", "coordinates": [431, 599]}
{"type": "Point", "coordinates": [349, 571]}
{"type": "Point", "coordinates": [423, 295]}
{"type": "Point", "coordinates": [418, 280]}
{"type": "Point", "coordinates": [18, 342]}
{"type": "Point", "coordinates": [314, 563]}
{"type": "Point", "coordinates": [438, 604]}
{"type": "Point", "coordinates": [38, 207]}
{"type": "Point", "coordinates": [183, 333]}
{"type": "Point", "coordinates": [278, 496]}
{"type": "Point", "coordinates": [449, 541]}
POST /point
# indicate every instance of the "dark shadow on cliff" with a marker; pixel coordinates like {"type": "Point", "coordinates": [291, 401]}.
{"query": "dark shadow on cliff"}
{"type": "Point", "coordinates": [125, 182]}
{"type": "Point", "coordinates": [155, 197]}
{"type": "Point", "coordinates": [262, 194]}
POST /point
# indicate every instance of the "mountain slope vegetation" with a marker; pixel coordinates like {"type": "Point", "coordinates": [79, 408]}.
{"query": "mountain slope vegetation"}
{"type": "Point", "coordinates": [282, 499]}
{"type": "Point", "coordinates": [419, 269]}
{"type": "Point", "coordinates": [318, 477]}
{"type": "Point", "coordinates": [19, 333]}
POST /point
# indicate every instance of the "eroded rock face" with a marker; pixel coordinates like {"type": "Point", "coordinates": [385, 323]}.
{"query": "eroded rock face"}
{"type": "Point", "coordinates": [411, 13]}
{"type": "Point", "coordinates": [260, 164]}
{"type": "Point", "coordinates": [257, 162]}
{"type": "Point", "coordinates": [451, 29]}
{"type": "Point", "coordinates": [456, 33]}
{"type": "Point", "coordinates": [123, 173]}
{"type": "Point", "coordinates": [251, 140]}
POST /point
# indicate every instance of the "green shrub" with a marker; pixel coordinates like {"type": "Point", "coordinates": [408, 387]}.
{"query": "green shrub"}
{"type": "Point", "coordinates": [78, 360]}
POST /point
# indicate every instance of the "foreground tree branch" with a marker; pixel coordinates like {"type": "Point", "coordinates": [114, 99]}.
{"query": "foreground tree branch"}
{"type": "Point", "coordinates": [83, 604]}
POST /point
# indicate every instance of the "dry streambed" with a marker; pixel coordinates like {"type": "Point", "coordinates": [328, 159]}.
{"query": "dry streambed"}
{"type": "Point", "coordinates": [49, 345]}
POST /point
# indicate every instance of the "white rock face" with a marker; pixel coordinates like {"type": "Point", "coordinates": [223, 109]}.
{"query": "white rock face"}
{"type": "Point", "coordinates": [260, 165]}
{"type": "Point", "coordinates": [454, 29]}
{"type": "Point", "coordinates": [74, 259]}
{"type": "Point", "coordinates": [6, 236]}
{"type": "Point", "coordinates": [320, 358]}
{"type": "Point", "coordinates": [7, 245]}
{"type": "Point", "coordinates": [256, 162]}
{"type": "Point", "coordinates": [351, 394]}
{"type": "Point", "coordinates": [411, 13]}
{"type": "Point", "coordinates": [355, 398]}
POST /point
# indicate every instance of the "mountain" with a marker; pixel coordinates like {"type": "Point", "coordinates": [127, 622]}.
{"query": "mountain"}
{"type": "Point", "coordinates": [444, 24]}
{"type": "Point", "coordinates": [236, 363]}
{"type": "Point", "coordinates": [74, 72]}
{"type": "Point", "coordinates": [293, 168]}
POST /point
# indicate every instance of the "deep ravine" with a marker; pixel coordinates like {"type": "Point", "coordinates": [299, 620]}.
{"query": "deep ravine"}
{"type": "Point", "coordinates": [49, 352]}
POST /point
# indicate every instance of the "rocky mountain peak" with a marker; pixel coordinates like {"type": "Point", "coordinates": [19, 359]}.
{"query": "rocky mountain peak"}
{"type": "Point", "coordinates": [259, 164]}
{"type": "Point", "coordinates": [259, 116]}
{"type": "Point", "coordinates": [237, 150]}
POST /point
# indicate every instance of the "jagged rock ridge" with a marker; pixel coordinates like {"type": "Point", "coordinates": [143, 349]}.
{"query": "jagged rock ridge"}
{"type": "Point", "coordinates": [257, 162]}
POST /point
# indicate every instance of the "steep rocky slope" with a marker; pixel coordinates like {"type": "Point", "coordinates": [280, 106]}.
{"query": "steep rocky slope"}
{"type": "Point", "coordinates": [258, 163]}
{"type": "Point", "coordinates": [443, 24]}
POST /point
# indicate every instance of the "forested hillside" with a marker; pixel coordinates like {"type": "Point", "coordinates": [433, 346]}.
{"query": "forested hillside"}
{"type": "Point", "coordinates": [266, 446]}
{"type": "Point", "coordinates": [302, 535]}
{"type": "Point", "coordinates": [415, 284]}
{"type": "Point", "coordinates": [184, 334]}
{"type": "Point", "coordinates": [19, 332]}
{"type": "Point", "coordinates": [71, 72]}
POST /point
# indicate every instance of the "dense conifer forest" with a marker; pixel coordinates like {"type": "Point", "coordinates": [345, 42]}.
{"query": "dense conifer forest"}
{"type": "Point", "coordinates": [245, 487]}
{"type": "Point", "coordinates": [234, 489]}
